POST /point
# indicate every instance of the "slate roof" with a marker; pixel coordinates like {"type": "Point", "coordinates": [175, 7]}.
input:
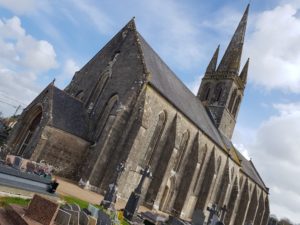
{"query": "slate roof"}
{"type": "Point", "coordinates": [68, 114]}
{"type": "Point", "coordinates": [249, 169]}
{"type": "Point", "coordinates": [167, 83]}
{"type": "Point", "coordinates": [164, 80]}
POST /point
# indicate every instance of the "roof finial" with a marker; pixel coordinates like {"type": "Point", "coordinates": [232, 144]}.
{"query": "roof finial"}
{"type": "Point", "coordinates": [232, 57]}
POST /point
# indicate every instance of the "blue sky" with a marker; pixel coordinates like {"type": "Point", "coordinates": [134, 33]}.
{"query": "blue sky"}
{"type": "Point", "coordinates": [43, 40]}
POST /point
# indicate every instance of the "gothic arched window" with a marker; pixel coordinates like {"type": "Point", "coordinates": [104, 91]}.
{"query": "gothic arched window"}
{"type": "Point", "coordinates": [182, 149]}
{"type": "Point", "coordinates": [106, 112]}
{"type": "Point", "coordinates": [218, 91]}
{"type": "Point", "coordinates": [231, 101]}
{"type": "Point", "coordinates": [97, 91]}
{"type": "Point", "coordinates": [79, 95]}
{"type": "Point", "coordinates": [156, 135]}
{"type": "Point", "coordinates": [236, 105]}
{"type": "Point", "coordinates": [206, 92]}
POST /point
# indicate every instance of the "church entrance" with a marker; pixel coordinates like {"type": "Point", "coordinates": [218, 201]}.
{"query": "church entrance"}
{"type": "Point", "coordinates": [32, 120]}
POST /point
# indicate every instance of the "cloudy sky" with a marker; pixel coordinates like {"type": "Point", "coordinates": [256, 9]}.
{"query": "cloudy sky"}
{"type": "Point", "coordinates": [43, 40]}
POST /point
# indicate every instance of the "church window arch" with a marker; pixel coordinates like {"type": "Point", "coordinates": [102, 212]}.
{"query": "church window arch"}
{"type": "Point", "coordinates": [232, 173]}
{"type": "Point", "coordinates": [160, 125]}
{"type": "Point", "coordinates": [34, 119]}
{"type": "Point", "coordinates": [201, 162]}
{"type": "Point", "coordinates": [106, 112]}
{"type": "Point", "coordinates": [182, 149]}
{"type": "Point", "coordinates": [79, 94]}
{"type": "Point", "coordinates": [218, 91]}
{"type": "Point", "coordinates": [231, 101]}
{"type": "Point", "coordinates": [236, 105]}
{"type": "Point", "coordinates": [206, 92]}
{"type": "Point", "coordinates": [98, 90]}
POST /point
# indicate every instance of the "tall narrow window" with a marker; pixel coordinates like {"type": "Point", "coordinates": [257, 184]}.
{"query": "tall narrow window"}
{"type": "Point", "coordinates": [231, 101]}
{"type": "Point", "coordinates": [218, 92]}
{"type": "Point", "coordinates": [182, 149]}
{"type": "Point", "coordinates": [236, 106]}
{"type": "Point", "coordinates": [156, 136]}
{"type": "Point", "coordinates": [79, 95]}
{"type": "Point", "coordinates": [97, 91]}
{"type": "Point", "coordinates": [206, 92]}
{"type": "Point", "coordinates": [106, 112]}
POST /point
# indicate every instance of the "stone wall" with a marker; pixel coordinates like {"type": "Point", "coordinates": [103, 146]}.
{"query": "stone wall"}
{"type": "Point", "coordinates": [62, 150]}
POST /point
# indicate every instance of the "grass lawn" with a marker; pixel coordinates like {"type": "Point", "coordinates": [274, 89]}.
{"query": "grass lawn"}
{"type": "Point", "coordinates": [13, 200]}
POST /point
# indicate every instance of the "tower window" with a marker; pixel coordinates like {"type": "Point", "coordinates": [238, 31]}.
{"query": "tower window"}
{"type": "Point", "coordinates": [231, 101]}
{"type": "Point", "coordinates": [236, 106]}
{"type": "Point", "coordinates": [218, 91]}
{"type": "Point", "coordinates": [206, 92]}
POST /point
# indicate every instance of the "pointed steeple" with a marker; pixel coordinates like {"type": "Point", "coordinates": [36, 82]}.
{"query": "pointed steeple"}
{"type": "Point", "coordinates": [232, 57]}
{"type": "Point", "coordinates": [244, 73]}
{"type": "Point", "coordinates": [213, 62]}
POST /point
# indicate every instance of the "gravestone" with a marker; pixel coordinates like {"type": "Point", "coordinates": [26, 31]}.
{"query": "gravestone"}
{"type": "Point", "coordinates": [62, 218]}
{"type": "Point", "coordinates": [74, 217]}
{"type": "Point", "coordinates": [86, 211]}
{"type": "Point", "coordinates": [75, 207]}
{"type": "Point", "coordinates": [93, 220]}
{"type": "Point", "coordinates": [133, 203]}
{"type": "Point", "coordinates": [42, 210]}
{"type": "Point", "coordinates": [84, 218]}
{"type": "Point", "coordinates": [198, 217]}
{"type": "Point", "coordinates": [94, 211]}
{"type": "Point", "coordinates": [153, 218]}
{"type": "Point", "coordinates": [17, 162]}
{"type": "Point", "coordinates": [66, 207]}
{"type": "Point", "coordinates": [30, 167]}
{"type": "Point", "coordinates": [103, 219]}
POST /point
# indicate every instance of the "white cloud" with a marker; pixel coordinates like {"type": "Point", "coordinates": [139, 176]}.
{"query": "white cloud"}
{"type": "Point", "coordinates": [94, 14]}
{"type": "Point", "coordinates": [274, 49]}
{"type": "Point", "coordinates": [23, 6]}
{"type": "Point", "coordinates": [23, 61]}
{"type": "Point", "coordinates": [275, 151]}
{"type": "Point", "coordinates": [174, 33]}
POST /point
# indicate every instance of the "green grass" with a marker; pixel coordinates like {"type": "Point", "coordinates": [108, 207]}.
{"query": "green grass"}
{"type": "Point", "coordinates": [13, 200]}
{"type": "Point", "coordinates": [71, 200]}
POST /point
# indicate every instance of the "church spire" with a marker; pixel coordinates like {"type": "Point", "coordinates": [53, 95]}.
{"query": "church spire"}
{"type": "Point", "coordinates": [232, 57]}
{"type": "Point", "coordinates": [244, 73]}
{"type": "Point", "coordinates": [211, 68]}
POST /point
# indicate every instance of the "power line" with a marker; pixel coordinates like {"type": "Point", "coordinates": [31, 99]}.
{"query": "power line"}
{"type": "Point", "coordinates": [9, 104]}
{"type": "Point", "coordinates": [11, 98]}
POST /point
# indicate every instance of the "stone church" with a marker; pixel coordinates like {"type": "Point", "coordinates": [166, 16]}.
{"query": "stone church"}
{"type": "Point", "coordinates": [127, 105]}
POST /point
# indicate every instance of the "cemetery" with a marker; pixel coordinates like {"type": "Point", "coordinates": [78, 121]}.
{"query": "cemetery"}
{"type": "Point", "coordinates": [67, 210]}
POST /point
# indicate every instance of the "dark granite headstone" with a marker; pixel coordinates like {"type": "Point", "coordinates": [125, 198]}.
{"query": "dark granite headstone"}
{"type": "Point", "coordinates": [103, 219]}
{"type": "Point", "coordinates": [42, 210]}
{"type": "Point", "coordinates": [176, 221]}
{"type": "Point", "coordinates": [74, 217]}
{"type": "Point", "coordinates": [153, 218]}
{"type": "Point", "coordinates": [17, 162]}
{"type": "Point", "coordinates": [198, 217]}
{"type": "Point", "coordinates": [86, 211]}
{"type": "Point", "coordinates": [66, 207]}
{"type": "Point", "coordinates": [84, 218]}
{"type": "Point", "coordinates": [62, 218]}
{"type": "Point", "coordinates": [75, 207]}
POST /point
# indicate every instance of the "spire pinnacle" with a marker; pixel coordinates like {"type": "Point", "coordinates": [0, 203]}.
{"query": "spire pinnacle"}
{"type": "Point", "coordinates": [232, 57]}
{"type": "Point", "coordinates": [213, 62]}
{"type": "Point", "coordinates": [244, 72]}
